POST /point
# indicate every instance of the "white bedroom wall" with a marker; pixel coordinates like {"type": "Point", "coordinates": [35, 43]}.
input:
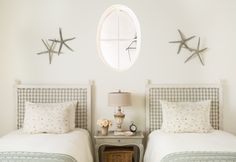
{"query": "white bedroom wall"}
{"type": "Point", "coordinates": [23, 23]}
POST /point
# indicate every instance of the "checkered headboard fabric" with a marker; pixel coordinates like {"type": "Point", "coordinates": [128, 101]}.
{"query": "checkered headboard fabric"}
{"type": "Point", "coordinates": [181, 94]}
{"type": "Point", "coordinates": [55, 95]}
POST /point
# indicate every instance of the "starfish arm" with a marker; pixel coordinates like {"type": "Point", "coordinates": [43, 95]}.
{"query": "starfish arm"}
{"type": "Point", "coordinates": [54, 40]}
{"type": "Point", "coordinates": [46, 45]}
{"type": "Point", "coordinates": [129, 56]}
{"type": "Point", "coordinates": [202, 50]}
{"type": "Point", "coordinates": [198, 44]}
{"type": "Point", "coordinates": [175, 41]}
{"type": "Point", "coordinates": [129, 47]}
{"type": "Point", "coordinates": [69, 39]}
{"type": "Point", "coordinates": [56, 52]}
{"type": "Point", "coordinates": [51, 46]}
{"type": "Point", "coordinates": [200, 58]}
{"type": "Point", "coordinates": [68, 47]}
{"type": "Point", "coordinates": [189, 57]}
{"type": "Point", "coordinates": [180, 46]}
{"type": "Point", "coordinates": [189, 38]}
{"type": "Point", "coordinates": [60, 34]}
{"type": "Point", "coordinates": [181, 34]}
{"type": "Point", "coordinates": [44, 52]}
{"type": "Point", "coordinates": [59, 51]}
{"type": "Point", "coordinates": [50, 58]}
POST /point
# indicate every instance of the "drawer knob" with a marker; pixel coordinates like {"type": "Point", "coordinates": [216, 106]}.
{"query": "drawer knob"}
{"type": "Point", "coordinates": [118, 140]}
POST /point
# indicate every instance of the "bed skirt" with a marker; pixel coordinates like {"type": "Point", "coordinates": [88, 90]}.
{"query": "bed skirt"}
{"type": "Point", "coordinates": [200, 157]}
{"type": "Point", "coordinates": [35, 157]}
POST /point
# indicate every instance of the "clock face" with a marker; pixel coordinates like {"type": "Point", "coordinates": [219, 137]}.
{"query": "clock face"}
{"type": "Point", "coordinates": [133, 128]}
{"type": "Point", "coordinates": [118, 37]}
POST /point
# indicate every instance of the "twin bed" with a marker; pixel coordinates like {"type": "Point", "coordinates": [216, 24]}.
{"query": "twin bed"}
{"type": "Point", "coordinates": [72, 146]}
{"type": "Point", "coordinates": [162, 146]}
{"type": "Point", "coordinates": [186, 144]}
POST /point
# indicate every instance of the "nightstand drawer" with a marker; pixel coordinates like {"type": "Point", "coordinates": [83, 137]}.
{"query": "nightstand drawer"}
{"type": "Point", "coordinates": [119, 141]}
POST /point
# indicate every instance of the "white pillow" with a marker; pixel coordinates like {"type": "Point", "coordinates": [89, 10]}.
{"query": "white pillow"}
{"type": "Point", "coordinates": [49, 117]}
{"type": "Point", "coordinates": [180, 117]}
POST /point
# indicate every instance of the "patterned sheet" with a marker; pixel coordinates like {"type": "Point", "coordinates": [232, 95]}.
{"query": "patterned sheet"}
{"type": "Point", "coordinates": [34, 157]}
{"type": "Point", "coordinates": [200, 157]}
{"type": "Point", "coordinates": [160, 145]}
{"type": "Point", "coordinates": [54, 147]}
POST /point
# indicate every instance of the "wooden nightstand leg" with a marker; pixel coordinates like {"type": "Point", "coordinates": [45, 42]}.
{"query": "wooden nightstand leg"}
{"type": "Point", "coordinates": [97, 153]}
{"type": "Point", "coordinates": [136, 153]}
{"type": "Point", "coordinates": [140, 153]}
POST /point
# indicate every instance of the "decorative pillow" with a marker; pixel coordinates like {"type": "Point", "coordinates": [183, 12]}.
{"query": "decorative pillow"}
{"type": "Point", "coordinates": [180, 117]}
{"type": "Point", "coordinates": [49, 117]}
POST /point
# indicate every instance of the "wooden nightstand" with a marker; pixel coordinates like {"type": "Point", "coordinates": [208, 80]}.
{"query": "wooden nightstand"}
{"type": "Point", "coordinates": [121, 143]}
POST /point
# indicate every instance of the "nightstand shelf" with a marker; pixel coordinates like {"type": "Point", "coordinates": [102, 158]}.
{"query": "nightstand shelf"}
{"type": "Point", "coordinates": [121, 146]}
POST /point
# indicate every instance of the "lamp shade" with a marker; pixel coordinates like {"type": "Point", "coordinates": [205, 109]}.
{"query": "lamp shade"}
{"type": "Point", "coordinates": [119, 99]}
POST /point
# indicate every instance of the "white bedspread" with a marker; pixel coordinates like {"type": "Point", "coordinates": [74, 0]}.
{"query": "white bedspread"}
{"type": "Point", "coordinates": [160, 144]}
{"type": "Point", "coordinates": [76, 143]}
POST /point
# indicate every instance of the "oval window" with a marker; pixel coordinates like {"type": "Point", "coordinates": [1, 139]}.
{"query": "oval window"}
{"type": "Point", "coordinates": [119, 37]}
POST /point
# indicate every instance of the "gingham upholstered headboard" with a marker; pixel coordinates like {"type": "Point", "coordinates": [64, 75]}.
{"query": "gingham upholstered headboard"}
{"type": "Point", "coordinates": [56, 94]}
{"type": "Point", "coordinates": [181, 93]}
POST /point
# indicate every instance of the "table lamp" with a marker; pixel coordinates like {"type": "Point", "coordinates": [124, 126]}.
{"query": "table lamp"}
{"type": "Point", "coordinates": [119, 99]}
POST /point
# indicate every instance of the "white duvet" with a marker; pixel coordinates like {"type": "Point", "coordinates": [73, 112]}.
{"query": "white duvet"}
{"type": "Point", "coordinates": [160, 144]}
{"type": "Point", "coordinates": [76, 143]}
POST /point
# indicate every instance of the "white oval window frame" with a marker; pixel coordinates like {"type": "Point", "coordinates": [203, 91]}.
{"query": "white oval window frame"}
{"type": "Point", "coordinates": [138, 31]}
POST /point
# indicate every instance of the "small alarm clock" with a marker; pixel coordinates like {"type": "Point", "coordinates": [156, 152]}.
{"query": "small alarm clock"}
{"type": "Point", "coordinates": [133, 128]}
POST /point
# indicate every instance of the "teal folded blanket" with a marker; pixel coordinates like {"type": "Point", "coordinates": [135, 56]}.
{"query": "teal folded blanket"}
{"type": "Point", "coordinates": [34, 157]}
{"type": "Point", "coordinates": [200, 157]}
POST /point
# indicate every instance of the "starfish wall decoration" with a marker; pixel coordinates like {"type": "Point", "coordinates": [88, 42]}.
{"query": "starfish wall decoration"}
{"type": "Point", "coordinates": [197, 52]}
{"type": "Point", "coordinates": [50, 48]}
{"type": "Point", "coordinates": [62, 42]}
{"type": "Point", "coordinates": [183, 44]}
{"type": "Point", "coordinates": [131, 46]}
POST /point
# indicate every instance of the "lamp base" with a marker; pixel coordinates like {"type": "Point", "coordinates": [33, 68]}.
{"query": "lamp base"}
{"type": "Point", "coordinates": [119, 118]}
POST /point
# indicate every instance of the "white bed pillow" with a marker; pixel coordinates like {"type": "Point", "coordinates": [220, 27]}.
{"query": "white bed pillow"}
{"type": "Point", "coordinates": [181, 117]}
{"type": "Point", "coordinates": [49, 117]}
